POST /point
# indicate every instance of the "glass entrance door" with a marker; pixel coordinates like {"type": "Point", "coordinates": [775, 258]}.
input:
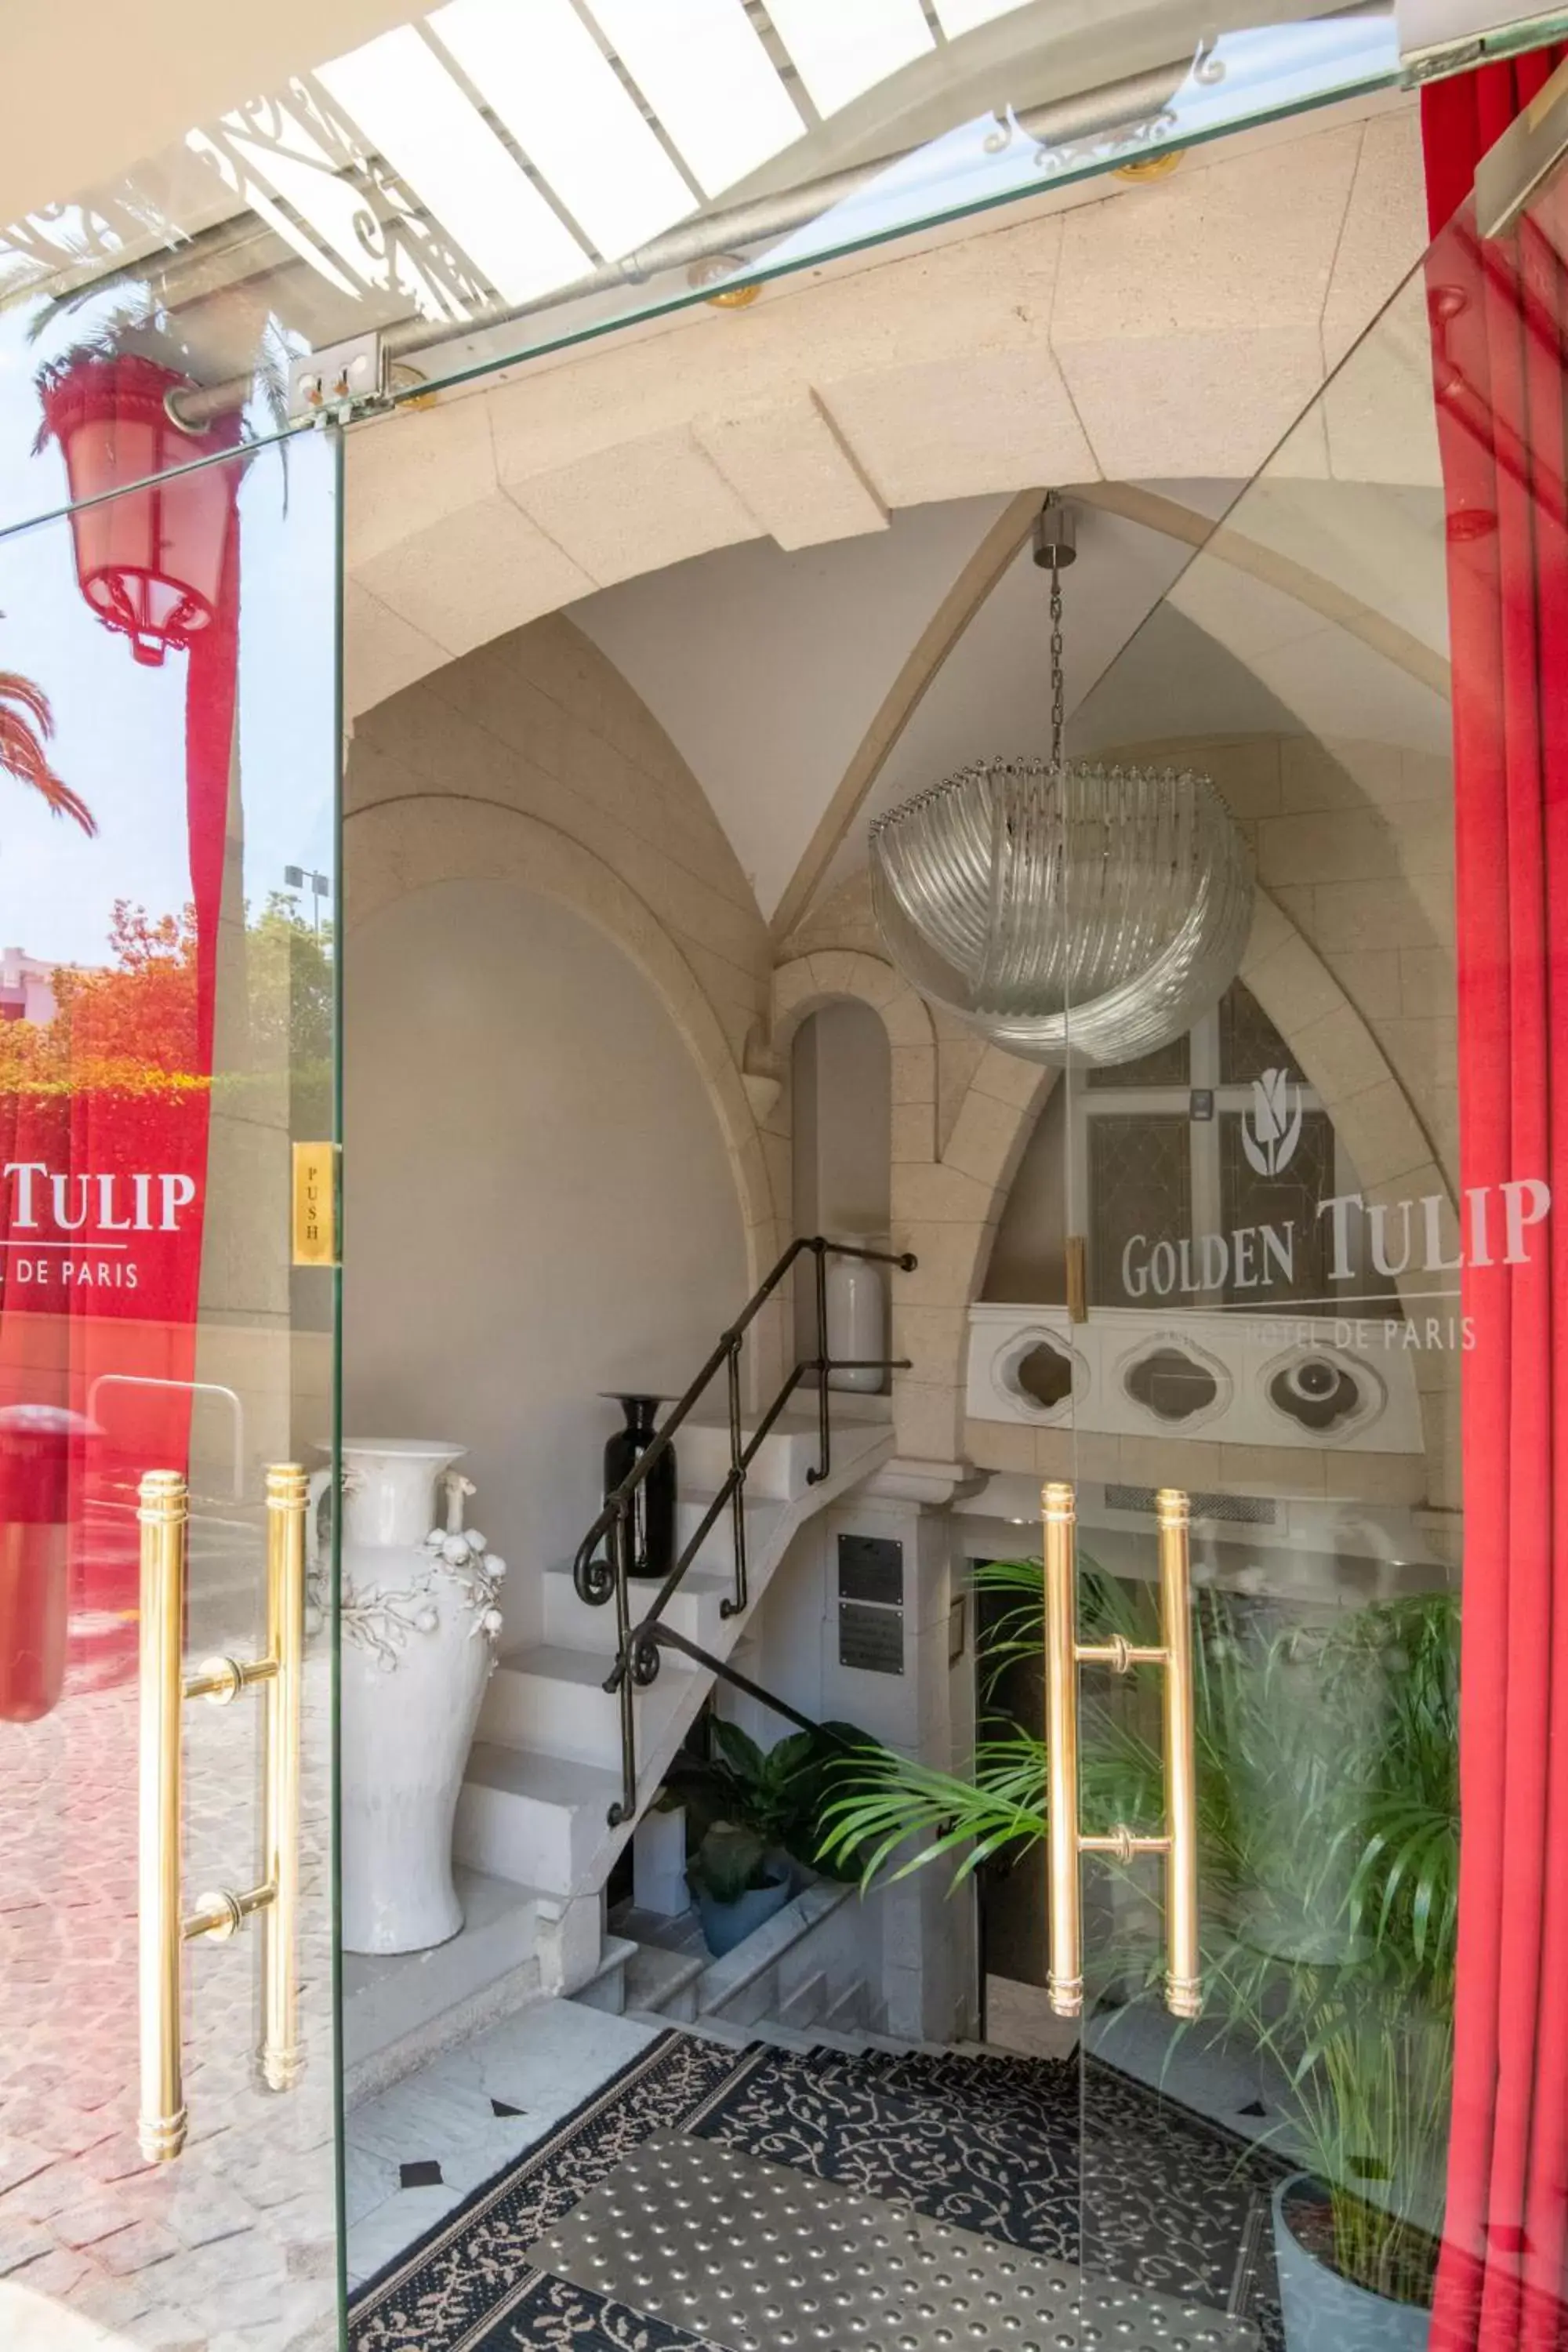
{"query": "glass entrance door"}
{"type": "Point", "coordinates": [168, 1302]}
{"type": "Point", "coordinates": [1320, 1341]}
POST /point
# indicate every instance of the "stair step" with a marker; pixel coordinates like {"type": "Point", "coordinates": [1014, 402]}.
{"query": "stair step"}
{"type": "Point", "coordinates": [550, 1696]}
{"type": "Point", "coordinates": [392, 2002]}
{"type": "Point", "coordinates": [717, 1549]}
{"type": "Point", "coordinates": [523, 1814]}
{"type": "Point", "coordinates": [694, 1610]}
{"type": "Point", "coordinates": [788, 1450]}
{"type": "Point", "coordinates": [662, 1982]}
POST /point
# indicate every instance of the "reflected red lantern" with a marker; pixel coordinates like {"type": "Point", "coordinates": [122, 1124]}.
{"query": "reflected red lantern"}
{"type": "Point", "coordinates": [150, 558]}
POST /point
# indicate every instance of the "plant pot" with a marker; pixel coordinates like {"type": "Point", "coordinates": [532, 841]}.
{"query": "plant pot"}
{"type": "Point", "coordinates": [1323, 2312]}
{"type": "Point", "coordinates": [725, 1925]}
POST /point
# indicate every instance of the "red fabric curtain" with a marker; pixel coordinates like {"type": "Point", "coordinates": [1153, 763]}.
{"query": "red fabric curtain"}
{"type": "Point", "coordinates": [1499, 324]}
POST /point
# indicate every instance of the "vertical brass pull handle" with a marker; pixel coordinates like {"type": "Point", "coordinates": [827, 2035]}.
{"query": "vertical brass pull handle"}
{"type": "Point", "coordinates": [163, 1512]}
{"type": "Point", "coordinates": [282, 2058]}
{"type": "Point", "coordinates": [1065, 1978]}
{"type": "Point", "coordinates": [1064, 1841]}
{"type": "Point", "coordinates": [163, 1927]}
{"type": "Point", "coordinates": [1184, 1986]}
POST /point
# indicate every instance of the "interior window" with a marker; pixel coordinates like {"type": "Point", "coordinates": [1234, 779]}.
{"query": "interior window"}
{"type": "Point", "coordinates": [1216, 1136]}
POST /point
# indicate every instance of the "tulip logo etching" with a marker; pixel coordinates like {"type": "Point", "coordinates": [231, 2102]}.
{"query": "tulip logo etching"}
{"type": "Point", "coordinates": [1270, 1135]}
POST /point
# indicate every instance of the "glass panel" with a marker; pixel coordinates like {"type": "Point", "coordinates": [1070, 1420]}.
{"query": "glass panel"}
{"type": "Point", "coordinates": [426, 184]}
{"type": "Point", "coordinates": [1139, 1202]}
{"type": "Point", "coordinates": [167, 1035]}
{"type": "Point", "coordinates": [1249, 1043]}
{"type": "Point", "coordinates": [1304, 2139]}
{"type": "Point", "coordinates": [1169, 1067]}
{"type": "Point", "coordinates": [1279, 1212]}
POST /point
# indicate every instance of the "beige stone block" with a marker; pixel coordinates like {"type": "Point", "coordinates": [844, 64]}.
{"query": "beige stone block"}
{"type": "Point", "coordinates": [637, 506]}
{"type": "Point", "coordinates": [789, 465]}
{"type": "Point", "coordinates": [382, 651]}
{"type": "Point", "coordinates": [1386, 1478]}
{"type": "Point", "coordinates": [1268, 933]}
{"type": "Point", "coordinates": [836, 972]}
{"type": "Point", "coordinates": [914, 1132]}
{"type": "Point", "coordinates": [475, 574]}
{"type": "Point", "coordinates": [1250, 245]}
{"type": "Point", "coordinates": [961, 426]}
{"type": "Point", "coordinates": [1318, 775]}
{"type": "Point", "coordinates": [1189, 1461]}
{"type": "Point", "coordinates": [1346, 845]}
{"type": "Point", "coordinates": [1000, 1445]}
{"type": "Point", "coordinates": [1089, 1453]}
{"type": "Point", "coordinates": [935, 1339]}
{"type": "Point", "coordinates": [1427, 981]}
{"type": "Point", "coordinates": [985, 1136]}
{"type": "Point", "coordinates": [1382, 1133]}
{"type": "Point", "coordinates": [1279, 1470]}
{"type": "Point", "coordinates": [906, 1020]}
{"type": "Point", "coordinates": [1247, 770]}
{"type": "Point", "coordinates": [1383, 234]}
{"type": "Point", "coordinates": [947, 1256]}
{"type": "Point", "coordinates": [794, 984]}
{"type": "Point", "coordinates": [928, 1423]}
{"type": "Point", "coordinates": [942, 1195]}
{"type": "Point", "coordinates": [1370, 979]}
{"type": "Point", "coordinates": [1386, 914]}
{"type": "Point", "coordinates": [1155, 405]}
{"type": "Point", "coordinates": [1056, 1456]}
{"type": "Point", "coordinates": [1294, 986]}
{"type": "Point", "coordinates": [412, 469]}
{"type": "Point", "coordinates": [913, 1074]}
{"type": "Point", "coordinates": [1010, 1079]}
{"type": "Point", "coordinates": [1338, 1054]}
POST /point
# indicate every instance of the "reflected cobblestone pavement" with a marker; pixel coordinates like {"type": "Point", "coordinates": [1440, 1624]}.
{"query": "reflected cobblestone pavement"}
{"type": "Point", "coordinates": [232, 2247]}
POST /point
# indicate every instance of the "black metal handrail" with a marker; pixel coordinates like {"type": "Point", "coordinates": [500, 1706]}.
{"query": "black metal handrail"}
{"type": "Point", "coordinates": [602, 1575]}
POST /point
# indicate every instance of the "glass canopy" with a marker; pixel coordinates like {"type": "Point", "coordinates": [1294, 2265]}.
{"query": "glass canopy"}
{"type": "Point", "coordinates": [500, 177]}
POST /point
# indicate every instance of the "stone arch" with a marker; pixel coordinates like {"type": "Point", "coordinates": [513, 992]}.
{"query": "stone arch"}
{"type": "Point", "coordinates": [965, 368]}
{"type": "Point", "coordinates": [802, 986]}
{"type": "Point", "coordinates": [416, 840]}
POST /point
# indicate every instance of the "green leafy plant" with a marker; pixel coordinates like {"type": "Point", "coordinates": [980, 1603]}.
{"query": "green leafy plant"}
{"type": "Point", "coordinates": [780, 1792]}
{"type": "Point", "coordinates": [730, 1862]}
{"type": "Point", "coordinates": [1328, 1823]}
{"type": "Point", "coordinates": [26, 723]}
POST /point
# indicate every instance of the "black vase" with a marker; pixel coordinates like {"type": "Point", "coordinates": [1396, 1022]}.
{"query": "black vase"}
{"type": "Point", "coordinates": [651, 1528]}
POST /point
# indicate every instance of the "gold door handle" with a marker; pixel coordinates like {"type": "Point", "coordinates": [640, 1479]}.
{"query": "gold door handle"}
{"type": "Point", "coordinates": [1065, 1843]}
{"type": "Point", "coordinates": [163, 1927]}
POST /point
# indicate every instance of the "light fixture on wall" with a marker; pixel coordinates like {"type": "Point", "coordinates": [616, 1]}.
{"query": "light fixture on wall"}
{"type": "Point", "coordinates": [1071, 914]}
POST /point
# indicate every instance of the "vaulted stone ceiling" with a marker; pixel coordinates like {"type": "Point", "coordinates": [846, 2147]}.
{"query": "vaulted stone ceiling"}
{"type": "Point", "coordinates": [780, 523]}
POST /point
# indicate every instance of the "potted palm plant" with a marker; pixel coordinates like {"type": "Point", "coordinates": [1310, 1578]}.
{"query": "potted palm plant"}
{"type": "Point", "coordinates": [760, 1815]}
{"type": "Point", "coordinates": [1328, 1813]}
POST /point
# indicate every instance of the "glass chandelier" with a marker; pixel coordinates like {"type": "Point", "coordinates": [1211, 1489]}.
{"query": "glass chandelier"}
{"type": "Point", "coordinates": [1071, 914]}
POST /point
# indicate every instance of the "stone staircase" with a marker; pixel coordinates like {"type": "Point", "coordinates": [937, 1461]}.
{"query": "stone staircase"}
{"type": "Point", "coordinates": [532, 1840]}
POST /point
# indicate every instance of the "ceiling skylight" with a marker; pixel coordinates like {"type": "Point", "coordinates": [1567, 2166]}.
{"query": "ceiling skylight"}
{"type": "Point", "coordinates": [412, 111]}
{"type": "Point", "coordinates": [843, 47]}
{"type": "Point", "coordinates": [708, 78]}
{"type": "Point", "coordinates": [537, 66]}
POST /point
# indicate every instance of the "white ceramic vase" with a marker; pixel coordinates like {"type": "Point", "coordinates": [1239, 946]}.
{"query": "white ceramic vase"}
{"type": "Point", "coordinates": [856, 1316]}
{"type": "Point", "coordinates": [419, 1623]}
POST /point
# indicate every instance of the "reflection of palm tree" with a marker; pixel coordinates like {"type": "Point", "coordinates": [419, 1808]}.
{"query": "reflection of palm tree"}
{"type": "Point", "coordinates": [26, 723]}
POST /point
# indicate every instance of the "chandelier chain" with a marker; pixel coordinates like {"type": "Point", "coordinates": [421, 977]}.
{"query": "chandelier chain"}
{"type": "Point", "coordinates": [1058, 683]}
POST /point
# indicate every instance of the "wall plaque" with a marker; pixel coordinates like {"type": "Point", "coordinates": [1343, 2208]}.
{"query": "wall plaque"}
{"type": "Point", "coordinates": [870, 1639]}
{"type": "Point", "coordinates": [871, 1568]}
